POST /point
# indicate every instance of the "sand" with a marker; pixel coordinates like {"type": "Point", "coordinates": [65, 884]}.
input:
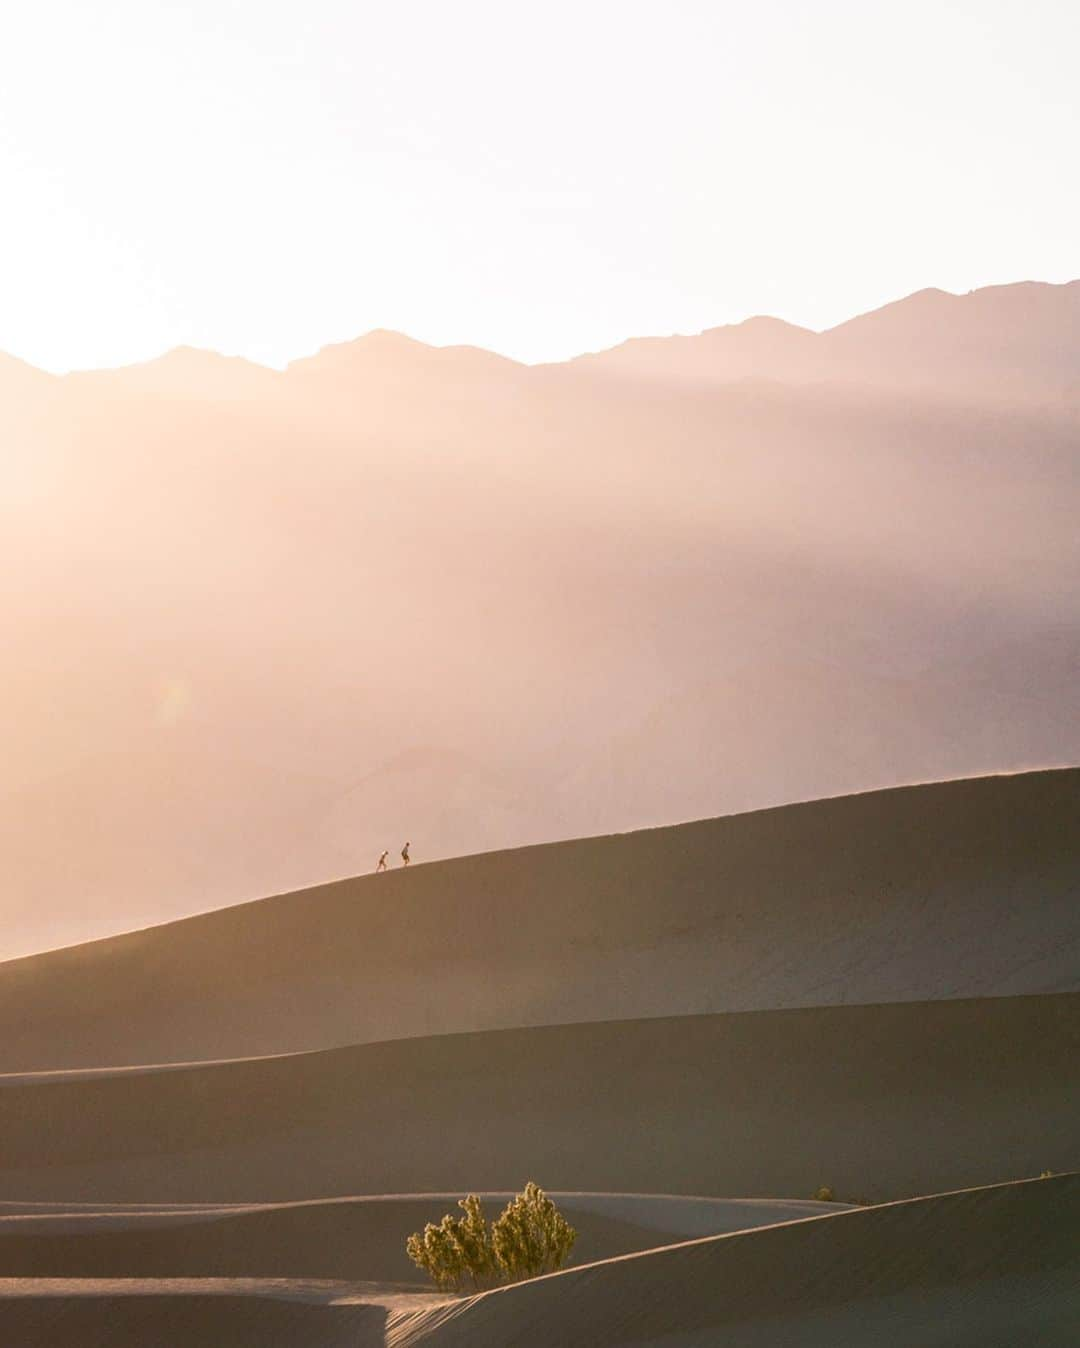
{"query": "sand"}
{"type": "Point", "coordinates": [226, 1313]}
{"type": "Point", "coordinates": [955, 890]}
{"type": "Point", "coordinates": [220, 1131]}
{"type": "Point", "coordinates": [344, 1239]}
{"type": "Point", "coordinates": [993, 1267]}
{"type": "Point", "coordinates": [877, 1101]}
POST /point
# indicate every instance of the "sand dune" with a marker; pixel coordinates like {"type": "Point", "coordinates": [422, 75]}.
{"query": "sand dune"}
{"type": "Point", "coordinates": [989, 1267]}
{"type": "Point", "coordinates": [955, 890]}
{"type": "Point", "coordinates": [346, 1238]}
{"type": "Point", "coordinates": [878, 1101]}
{"type": "Point", "coordinates": [43, 1313]}
{"type": "Point", "coordinates": [879, 993]}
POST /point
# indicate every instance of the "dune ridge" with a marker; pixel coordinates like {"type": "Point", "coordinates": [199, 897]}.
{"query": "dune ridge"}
{"type": "Point", "coordinates": [947, 1093]}
{"type": "Point", "coordinates": [979, 1266]}
{"type": "Point", "coordinates": [992, 1266]}
{"type": "Point", "coordinates": [950, 890]}
{"type": "Point", "coordinates": [899, 1001]}
{"type": "Point", "coordinates": [334, 1239]}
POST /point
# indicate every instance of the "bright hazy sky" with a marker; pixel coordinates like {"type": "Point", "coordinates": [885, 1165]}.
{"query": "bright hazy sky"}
{"type": "Point", "coordinates": [266, 176]}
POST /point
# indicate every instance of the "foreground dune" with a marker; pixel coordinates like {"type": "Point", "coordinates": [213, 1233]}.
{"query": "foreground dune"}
{"type": "Point", "coordinates": [331, 1239]}
{"type": "Point", "coordinates": [173, 1313]}
{"type": "Point", "coordinates": [994, 1267]}
{"type": "Point", "coordinates": [877, 1101]}
{"type": "Point", "coordinates": [879, 993]}
{"type": "Point", "coordinates": [956, 890]}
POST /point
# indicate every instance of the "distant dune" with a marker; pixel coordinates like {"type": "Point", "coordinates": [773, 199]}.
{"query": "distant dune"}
{"type": "Point", "coordinates": [955, 890]}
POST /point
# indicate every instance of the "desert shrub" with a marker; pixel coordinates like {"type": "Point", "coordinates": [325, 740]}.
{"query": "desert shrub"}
{"type": "Point", "coordinates": [530, 1237]}
{"type": "Point", "coordinates": [824, 1194]}
{"type": "Point", "coordinates": [458, 1252]}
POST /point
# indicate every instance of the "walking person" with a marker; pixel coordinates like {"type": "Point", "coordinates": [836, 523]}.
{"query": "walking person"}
{"type": "Point", "coordinates": [382, 863]}
{"type": "Point", "coordinates": [405, 855]}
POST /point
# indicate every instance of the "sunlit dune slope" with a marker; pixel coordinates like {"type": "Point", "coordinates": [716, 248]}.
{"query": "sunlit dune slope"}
{"type": "Point", "coordinates": [959, 889]}
{"type": "Point", "coordinates": [994, 1267]}
{"type": "Point", "coordinates": [345, 1238]}
{"type": "Point", "coordinates": [877, 1101]}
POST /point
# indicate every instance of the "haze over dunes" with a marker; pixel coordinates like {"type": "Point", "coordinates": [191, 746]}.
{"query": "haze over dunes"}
{"type": "Point", "coordinates": [270, 623]}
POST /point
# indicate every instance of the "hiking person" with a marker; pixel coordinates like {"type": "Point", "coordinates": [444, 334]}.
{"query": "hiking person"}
{"type": "Point", "coordinates": [382, 863]}
{"type": "Point", "coordinates": [405, 855]}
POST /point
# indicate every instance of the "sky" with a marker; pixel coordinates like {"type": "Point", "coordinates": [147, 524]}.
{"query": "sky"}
{"type": "Point", "coordinates": [264, 177]}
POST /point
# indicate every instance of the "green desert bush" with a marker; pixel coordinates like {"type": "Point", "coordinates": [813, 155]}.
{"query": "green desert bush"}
{"type": "Point", "coordinates": [458, 1252]}
{"type": "Point", "coordinates": [530, 1237]}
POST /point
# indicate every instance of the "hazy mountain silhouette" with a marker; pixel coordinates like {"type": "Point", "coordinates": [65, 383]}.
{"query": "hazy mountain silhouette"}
{"type": "Point", "coordinates": [186, 372]}
{"type": "Point", "coordinates": [1014, 340]}
{"type": "Point", "coordinates": [392, 354]}
{"type": "Point", "coordinates": [268, 623]}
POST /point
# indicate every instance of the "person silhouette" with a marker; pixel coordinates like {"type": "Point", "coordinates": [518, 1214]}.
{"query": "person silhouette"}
{"type": "Point", "coordinates": [405, 855]}
{"type": "Point", "coordinates": [382, 862]}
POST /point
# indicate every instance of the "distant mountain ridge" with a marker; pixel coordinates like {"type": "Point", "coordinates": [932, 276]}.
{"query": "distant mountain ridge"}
{"type": "Point", "coordinates": [1017, 339]}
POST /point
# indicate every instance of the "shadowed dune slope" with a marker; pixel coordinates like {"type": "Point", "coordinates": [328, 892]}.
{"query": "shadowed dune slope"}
{"type": "Point", "coordinates": [878, 1101]}
{"type": "Point", "coordinates": [337, 1238]}
{"type": "Point", "coordinates": [141, 1315]}
{"type": "Point", "coordinates": [989, 1267]}
{"type": "Point", "coordinates": [950, 890]}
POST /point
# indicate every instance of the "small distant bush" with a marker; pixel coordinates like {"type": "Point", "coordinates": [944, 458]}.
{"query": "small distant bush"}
{"type": "Point", "coordinates": [1046, 1174]}
{"type": "Point", "coordinates": [823, 1194]}
{"type": "Point", "coordinates": [529, 1238]}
